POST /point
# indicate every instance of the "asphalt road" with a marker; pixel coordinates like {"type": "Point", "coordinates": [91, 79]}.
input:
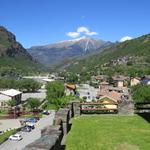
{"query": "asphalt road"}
{"type": "Point", "coordinates": [29, 137]}
{"type": "Point", "coordinates": [40, 94]}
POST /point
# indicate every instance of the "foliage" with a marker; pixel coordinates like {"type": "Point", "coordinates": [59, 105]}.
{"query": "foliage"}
{"type": "Point", "coordinates": [33, 103]}
{"type": "Point", "coordinates": [63, 101]}
{"type": "Point", "coordinates": [28, 85]}
{"type": "Point", "coordinates": [72, 78]}
{"type": "Point", "coordinates": [12, 103]}
{"type": "Point", "coordinates": [48, 106]}
{"type": "Point", "coordinates": [14, 58]}
{"type": "Point", "coordinates": [55, 95]}
{"type": "Point", "coordinates": [141, 93]}
{"type": "Point", "coordinates": [109, 133]}
{"type": "Point", "coordinates": [19, 65]}
{"type": "Point", "coordinates": [60, 102]}
{"type": "Point", "coordinates": [55, 90]}
{"type": "Point", "coordinates": [5, 136]}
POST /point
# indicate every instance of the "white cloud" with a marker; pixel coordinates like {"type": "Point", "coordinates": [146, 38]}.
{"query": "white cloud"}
{"type": "Point", "coordinates": [73, 34]}
{"type": "Point", "coordinates": [125, 38]}
{"type": "Point", "coordinates": [81, 31]}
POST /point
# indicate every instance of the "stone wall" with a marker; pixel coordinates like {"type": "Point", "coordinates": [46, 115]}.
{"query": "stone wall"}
{"type": "Point", "coordinates": [52, 137]}
{"type": "Point", "coordinates": [126, 108]}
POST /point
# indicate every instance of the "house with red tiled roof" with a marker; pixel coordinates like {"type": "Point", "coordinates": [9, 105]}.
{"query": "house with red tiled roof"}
{"type": "Point", "coordinates": [70, 89]}
{"type": "Point", "coordinates": [135, 81]}
{"type": "Point", "coordinates": [101, 78]}
{"type": "Point", "coordinates": [119, 80]}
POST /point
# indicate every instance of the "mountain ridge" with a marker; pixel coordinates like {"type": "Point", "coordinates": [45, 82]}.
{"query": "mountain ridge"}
{"type": "Point", "coordinates": [130, 58]}
{"type": "Point", "coordinates": [14, 57]}
{"type": "Point", "coordinates": [51, 54]}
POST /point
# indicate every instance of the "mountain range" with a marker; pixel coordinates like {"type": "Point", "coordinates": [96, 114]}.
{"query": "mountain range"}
{"type": "Point", "coordinates": [131, 57]}
{"type": "Point", "coordinates": [13, 56]}
{"type": "Point", "coordinates": [55, 53]}
{"type": "Point", "coordinates": [82, 55]}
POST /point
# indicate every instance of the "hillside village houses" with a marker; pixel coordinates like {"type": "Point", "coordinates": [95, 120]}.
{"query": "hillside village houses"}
{"type": "Point", "coordinates": [70, 89]}
{"type": "Point", "coordinates": [135, 81]}
{"type": "Point", "coordinates": [119, 80]}
{"type": "Point", "coordinates": [10, 94]}
{"type": "Point", "coordinates": [115, 94]}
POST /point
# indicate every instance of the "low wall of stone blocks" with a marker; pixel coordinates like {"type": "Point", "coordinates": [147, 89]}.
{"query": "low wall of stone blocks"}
{"type": "Point", "coordinates": [126, 108]}
{"type": "Point", "coordinates": [51, 136]}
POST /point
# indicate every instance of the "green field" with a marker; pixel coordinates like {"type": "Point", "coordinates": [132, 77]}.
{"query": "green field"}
{"type": "Point", "coordinates": [109, 133]}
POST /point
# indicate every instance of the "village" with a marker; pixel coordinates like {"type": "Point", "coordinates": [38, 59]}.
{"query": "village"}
{"type": "Point", "coordinates": [102, 99]}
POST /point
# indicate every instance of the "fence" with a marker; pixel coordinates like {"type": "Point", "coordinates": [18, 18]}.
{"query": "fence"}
{"type": "Point", "coordinates": [99, 107]}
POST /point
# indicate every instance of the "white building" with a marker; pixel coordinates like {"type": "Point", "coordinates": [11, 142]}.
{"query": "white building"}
{"type": "Point", "coordinates": [7, 95]}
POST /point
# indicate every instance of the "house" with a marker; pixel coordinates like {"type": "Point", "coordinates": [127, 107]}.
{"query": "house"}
{"type": "Point", "coordinates": [146, 80]}
{"type": "Point", "coordinates": [135, 81]}
{"type": "Point", "coordinates": [115, 93]}
{"type": "Point", "coordinates": [119, 80]}
{"type": "Point", "coordinates": [110, 101]}
{"type": "Point", "coordinates": [70, 89]}
{"type": "Point", "coordinates": [11, 94]}
{"type": "Point", "coordinates": [101, 78]}
{"type": "Point", "coordinates": [103, 85]}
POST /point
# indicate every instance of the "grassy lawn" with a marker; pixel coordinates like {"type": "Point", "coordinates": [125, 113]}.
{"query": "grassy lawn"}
{"type": "Point", "coordinates": [51, 107]}
{"type": "Point", "coordinates": [6, 135]}
{"type": "Point", "coordinates": [109, 133]}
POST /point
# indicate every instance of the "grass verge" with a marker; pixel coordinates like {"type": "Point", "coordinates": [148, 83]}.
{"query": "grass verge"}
{"type": "Point", "coordinates": [6, 135]}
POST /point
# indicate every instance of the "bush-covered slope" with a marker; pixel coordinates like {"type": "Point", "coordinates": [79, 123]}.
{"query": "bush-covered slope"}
{"type": "Point", "coordinates": [130, 57]}
{"type": "Point", "coordinates": [14, 57]}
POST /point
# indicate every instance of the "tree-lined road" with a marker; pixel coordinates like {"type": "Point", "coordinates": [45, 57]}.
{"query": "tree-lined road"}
{"type": "Point", "coordinates": [29, 137]}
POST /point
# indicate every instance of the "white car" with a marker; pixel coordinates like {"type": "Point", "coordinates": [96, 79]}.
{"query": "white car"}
{"type": "Point", "coordinates": [15, 137]}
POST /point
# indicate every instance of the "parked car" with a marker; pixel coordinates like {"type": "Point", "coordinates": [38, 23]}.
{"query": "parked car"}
{"type": "Point", "coordinates": [78, 94]}
{"type": "Point", "coordinates": [30, 125]}
{"type": "Point", "coordinates": [38, 118]}
{"type": "Point", "coordinates": [15, 137]}
{"type": "Point", "coordinates": [26, 129]}
{"type": "Point", "coordinates": [46, 112]}
{"type": "Point", "coordinates": [32, 120]}
{"type": "Point", "coordinates": [88, 93]}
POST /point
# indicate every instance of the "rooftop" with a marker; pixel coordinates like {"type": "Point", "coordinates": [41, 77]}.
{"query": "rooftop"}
{"type": "Point", "coordinates": [71, 86]}
{"type": "Point", "coordinates": [48, 80]}
{"type": "Point", "coordinates": [119, 78]}
{"type": "Point", "coordinates": [11, 92]}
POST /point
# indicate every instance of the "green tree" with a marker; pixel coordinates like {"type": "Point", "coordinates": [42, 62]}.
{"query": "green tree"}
{"type": "Point", "coordinates": [29, 85]}
{"type": "Point", "coordinates": [33, 103]}
{"type": "Point", "coordinates": [55, 90]}
{"type": "Point", "coordinates": [12, 103]}
{"type": "Point", "coordinates": [72, 78]}
{"type": "Point", "coordinates": [141, 93]}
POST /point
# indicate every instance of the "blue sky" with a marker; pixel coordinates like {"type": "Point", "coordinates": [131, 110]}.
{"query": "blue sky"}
{"type": "Point", "coordinates": [39, 22]}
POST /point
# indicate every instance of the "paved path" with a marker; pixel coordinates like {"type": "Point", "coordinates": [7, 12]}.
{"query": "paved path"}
{"type": "Point", "coordinates": [29, 137]}
{"type": "Point", "coordinates": [41, 94]}
{"type": "Point", "coordinates": [9, 124]}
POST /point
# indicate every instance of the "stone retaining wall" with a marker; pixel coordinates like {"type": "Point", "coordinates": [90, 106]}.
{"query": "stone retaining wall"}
{"type": "Point", "coordinates": [52, 136]}
{"type": "Point", "coordinates": [126, 108]}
